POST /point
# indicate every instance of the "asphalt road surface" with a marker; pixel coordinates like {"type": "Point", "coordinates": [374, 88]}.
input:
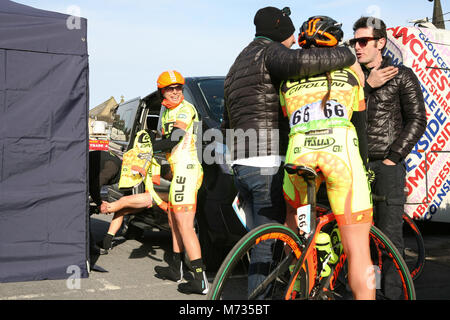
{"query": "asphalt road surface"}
{"type": "Point", "coordinates": [129, 271]}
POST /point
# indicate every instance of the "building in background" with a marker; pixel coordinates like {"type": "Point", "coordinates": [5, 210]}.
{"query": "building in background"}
{"type": "Point", "coordinates": [100, 122]}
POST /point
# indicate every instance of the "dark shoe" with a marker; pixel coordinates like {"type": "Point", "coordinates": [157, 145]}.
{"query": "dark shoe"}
{"type": "Point", "coordinates": [106, 244]}
{"type": "Point", "coordinates": [95, 249]}
{"type": "Point", "coordinates": [194, 286]}
{"type": "Point", "coordinates": [101, 248]}
{"type": "Point", "coordinates": [169, 273]}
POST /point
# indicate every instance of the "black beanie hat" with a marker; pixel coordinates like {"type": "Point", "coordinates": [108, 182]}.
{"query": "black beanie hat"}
{"type": "Point", "coordinates": [274, 23]}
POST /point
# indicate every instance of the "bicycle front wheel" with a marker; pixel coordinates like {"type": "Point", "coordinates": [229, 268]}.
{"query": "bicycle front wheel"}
{"type": "Point", "coordinates": [258, 266]}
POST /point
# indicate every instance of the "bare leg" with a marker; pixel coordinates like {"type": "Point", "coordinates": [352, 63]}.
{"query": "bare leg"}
{"type": "Point", "coordinates": [355, 239]}
{"type": "Point", "coordinates": [117, 220]}
{"type": "Point", "coordinates": [291, 218]}
{"type": "Point", "coordinates": [137, 201]}
{"type": "Point", "coordinates": [185, 231]}
{"type": "Point", "coordinates": [124, 206]}
{"type": "Point", "coordinates": [177, 242]}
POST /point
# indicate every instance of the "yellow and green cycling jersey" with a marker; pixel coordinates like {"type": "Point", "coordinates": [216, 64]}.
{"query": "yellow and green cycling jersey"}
{"type": "Point", "coordinates": [185, 117]}
{"type": "Point", "coordinates": [183, 159]}
{"type": "Point", "coordinates": [301, 101]}
{"type": "Point", "coordinates": [326, 139]}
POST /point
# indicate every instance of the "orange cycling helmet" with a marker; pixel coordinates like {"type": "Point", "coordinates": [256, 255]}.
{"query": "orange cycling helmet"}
{"type": "Point", "coordinates": [168, 78]}
{"type": "Point", "coordinates": [321, 31]}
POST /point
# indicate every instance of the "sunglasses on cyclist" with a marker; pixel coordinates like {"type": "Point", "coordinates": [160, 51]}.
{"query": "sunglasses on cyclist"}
{"type": "Point", "coordinates": [362, 41]}
{"type": "Point", "coordinates": [177, 87]}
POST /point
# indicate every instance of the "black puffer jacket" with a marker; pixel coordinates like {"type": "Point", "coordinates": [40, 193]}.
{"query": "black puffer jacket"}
{"type": "Point", "coordinates": [252, 88]}
{"type": "Point", "coordinates": [396, 115]}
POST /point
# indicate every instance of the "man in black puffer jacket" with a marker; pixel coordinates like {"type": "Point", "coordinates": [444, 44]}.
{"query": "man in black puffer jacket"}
{"type": "Point", "coordinates": [252, 84]}
{"type": "Point", "coordinates": [254, 125]}
{"type": "Point", "coordinates": [396, 121]}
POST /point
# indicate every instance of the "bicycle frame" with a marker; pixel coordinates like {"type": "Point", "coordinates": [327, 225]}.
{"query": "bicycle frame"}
{"type": "Point", "coordinates": [309, 253]}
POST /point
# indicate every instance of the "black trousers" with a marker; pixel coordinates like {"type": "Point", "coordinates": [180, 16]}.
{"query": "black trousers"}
{"type": "Point", "coordinates": [390, 183]}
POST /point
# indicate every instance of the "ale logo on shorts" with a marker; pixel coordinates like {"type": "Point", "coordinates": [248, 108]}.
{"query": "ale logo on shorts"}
{"type": "Point", "coordinates": [316, 143]}
{"type": "Point", "coordinates": [179, 194]}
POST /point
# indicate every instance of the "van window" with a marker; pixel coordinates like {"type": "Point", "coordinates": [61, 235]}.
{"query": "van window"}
{"type": "Point", "coordinates": [188, 95]}
{"type": "Point", "coordinates": [153, 106]}
{"type": "Point", "coordinates": [212, 90]}
{"type": "Point", "coordinates": [123, 120]}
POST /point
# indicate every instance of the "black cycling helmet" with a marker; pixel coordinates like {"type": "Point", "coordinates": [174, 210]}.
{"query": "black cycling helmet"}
{"type": "Point", "coordinates": [321, 31]}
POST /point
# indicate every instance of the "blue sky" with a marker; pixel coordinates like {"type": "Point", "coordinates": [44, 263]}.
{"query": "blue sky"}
{"type": "Point", "coordinates": [130, 42]}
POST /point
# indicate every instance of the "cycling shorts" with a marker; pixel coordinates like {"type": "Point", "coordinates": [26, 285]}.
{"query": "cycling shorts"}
{"type": "Point", "coordinates": [335, 152]}
{"type": "Point", "coordinates": [187, 179]}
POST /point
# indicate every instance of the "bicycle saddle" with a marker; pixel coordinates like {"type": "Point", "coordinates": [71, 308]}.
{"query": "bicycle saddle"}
{"type": "Point", "coordinates": [304, 171]}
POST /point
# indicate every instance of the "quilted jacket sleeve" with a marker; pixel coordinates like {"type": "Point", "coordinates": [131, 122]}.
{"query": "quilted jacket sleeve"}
{"type": "Point", "coordinates": [283, 63]}
{"type": "Point", "coordinates": [413, 114]}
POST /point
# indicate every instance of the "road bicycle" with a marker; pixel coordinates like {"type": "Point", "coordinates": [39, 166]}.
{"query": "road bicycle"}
{"type": "Point", "coordinates": [297, 269]}
{"type": "Point", "coordinates": [414, 254]}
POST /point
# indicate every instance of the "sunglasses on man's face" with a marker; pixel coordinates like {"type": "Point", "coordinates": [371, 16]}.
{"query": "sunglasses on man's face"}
{"type": "Point", "coordinates": [361, 41]}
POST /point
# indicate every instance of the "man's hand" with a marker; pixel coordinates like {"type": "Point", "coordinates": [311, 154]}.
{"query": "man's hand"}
{"type": "Point", "coordinates": [388, 162]}
{"type": "Point", "coordinates": [379, 77]}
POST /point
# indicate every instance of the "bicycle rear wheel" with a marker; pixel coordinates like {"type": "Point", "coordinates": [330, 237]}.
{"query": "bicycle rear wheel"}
{"type": "Point", "coordinates": [392, 278]}
{"type": "Point", "coordinates": [414, 247]}
{"type": "Point", "coordinates": [265, 274]}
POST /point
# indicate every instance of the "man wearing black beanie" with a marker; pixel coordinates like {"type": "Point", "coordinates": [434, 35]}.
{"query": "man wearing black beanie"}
{"type": "Point", "coordinates": [252, 107]}
{"type": "Point", "coordinates": [274, 24]}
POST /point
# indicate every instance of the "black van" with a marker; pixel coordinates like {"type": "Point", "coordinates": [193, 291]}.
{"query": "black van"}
{"type": "Point", "coordinates": [217, 225]}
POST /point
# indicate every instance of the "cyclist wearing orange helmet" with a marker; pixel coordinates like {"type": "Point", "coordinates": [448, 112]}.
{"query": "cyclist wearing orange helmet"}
{"type": "Point", "coordinates": [178, 126]}
{"type": "Point", "coordinates": [168, 78]}
{"type": "Point", "coordinates": [179, 136]}
{"type": "Point", "coordinates": [323, 112]}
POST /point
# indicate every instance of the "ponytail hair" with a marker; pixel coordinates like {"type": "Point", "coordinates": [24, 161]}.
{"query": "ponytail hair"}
{"type": "Point", "coordinates": [326, 97]}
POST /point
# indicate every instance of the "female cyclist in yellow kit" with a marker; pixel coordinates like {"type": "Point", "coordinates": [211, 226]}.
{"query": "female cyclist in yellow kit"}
{"type": "Point", "coordinates": [322, 111]}
{"type": "Point", "coordinates": [179, 120]}
{"type": "Point", "coordinates": [178, 142]}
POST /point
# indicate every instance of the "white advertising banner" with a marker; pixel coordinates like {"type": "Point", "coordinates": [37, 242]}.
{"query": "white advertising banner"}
{"type": "Point", "coordinates": [427, 52]}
